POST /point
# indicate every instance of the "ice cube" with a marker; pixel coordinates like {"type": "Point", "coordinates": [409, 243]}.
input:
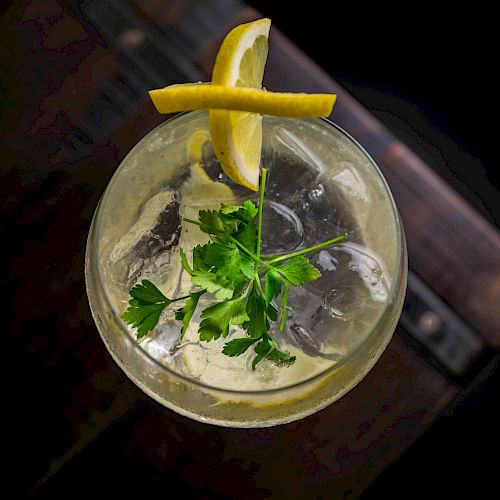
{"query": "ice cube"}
{"type": "Point", "coordinates": [345, 178]}
{"type": "Point", "coordinates": [282, 229]}
{"type": "Point", "coordinates": [161, 343]}
{"type": "Point", "coordinates": [368, 266]}
{"type": "Point", "coordinates": [147, 245]}
{"type": "Point", "coordinates": [318, 209]}
{"type": "Point", "coordinates": [330, 315]}
{"type": "Point", "coordinates": [304, 327]}
{"type": "Point", "coordinates": [291, 164]}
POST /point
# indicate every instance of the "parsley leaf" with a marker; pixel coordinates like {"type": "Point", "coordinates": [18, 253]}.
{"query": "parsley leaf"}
{"type": "Point", "coordinates": [184, 261]}
{"type": "Point", "coordinates": [204, 278]}
{"type": "Point", "coordinates": [268, 350]}
{"type": "Point", "coordinates": [257, 324]}
{"type": "Point", "coordinates": [261, 349]}
{"type": "Point", "coordinates": [229, 209]}
{"type": "Point", "coordinates": [199, 253]}
{"type": "Point", "coordinates": [245, 212]}
{"type": "Point", "coordinates": [186, 313]}
{"type": "Point", "coordinates": [299, 271]}
{"type": "Point", "coordinates": [280, 358]}
{"type": "Point", "coordinates": [247, 235]}
{"type": "Point", "coordinates": [143, 317]}
{"type": "Point", "coordinates": [213, 283]}
{"type": "Point", "coordinates": [148, 293]}
{"type": "Point", "coordinates": [211, 220]}
{"type": "Point", "coordinates": [251, 209]}
{"type": "Point", "coordinates": [236, 347]}
{"type": "Point", "coordinates": [272, 285]}
{"type": "Point", "coordinates": [229, 262]}
{"type": "Point", "coordinates": [145, 307]}
{"type": "Point", "coordinates": [217, 318]}
{"type": "Point", "coordinates": [240, 221]}
{"type": "Point", "coordinates": [272, 312]}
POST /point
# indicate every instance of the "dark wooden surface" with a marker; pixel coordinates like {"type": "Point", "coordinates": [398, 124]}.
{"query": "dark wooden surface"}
{"type": "Point", "coordinates": [77, 418]}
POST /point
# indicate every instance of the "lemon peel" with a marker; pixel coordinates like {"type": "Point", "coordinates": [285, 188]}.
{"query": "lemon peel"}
{"type": "Point", "coordinates": [187, 97]}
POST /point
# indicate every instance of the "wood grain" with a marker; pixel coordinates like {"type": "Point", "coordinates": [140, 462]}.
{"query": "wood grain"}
{"type": "Point", "coordinates": [57, 66]}
{"type": "Point", "coordinates": [333, 454]}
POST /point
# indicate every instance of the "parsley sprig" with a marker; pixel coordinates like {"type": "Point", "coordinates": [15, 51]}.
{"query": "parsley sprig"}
{"type": "Point", "coordinates": [244, 283]}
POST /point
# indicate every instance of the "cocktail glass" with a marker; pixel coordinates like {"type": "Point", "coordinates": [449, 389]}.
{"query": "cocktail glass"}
{"type": "Point", "coordinates": [321, 183]}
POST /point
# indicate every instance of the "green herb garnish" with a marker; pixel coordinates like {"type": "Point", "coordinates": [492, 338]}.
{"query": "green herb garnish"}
{"type": "Point", "coordinates": [231, 267]}
{"type": "Point", "coordinates": [145, 307]}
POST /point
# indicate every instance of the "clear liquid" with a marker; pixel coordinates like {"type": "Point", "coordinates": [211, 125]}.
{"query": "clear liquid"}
{"type": "Point", "coordinates": [307, 202]}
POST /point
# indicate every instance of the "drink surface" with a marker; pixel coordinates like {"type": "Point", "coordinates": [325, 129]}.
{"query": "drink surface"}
{"type": "Point", "coordinates": [320, 185]}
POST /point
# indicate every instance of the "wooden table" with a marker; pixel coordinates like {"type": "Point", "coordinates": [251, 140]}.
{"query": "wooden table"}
{"type": "Point", "coordinates": [73, 104]}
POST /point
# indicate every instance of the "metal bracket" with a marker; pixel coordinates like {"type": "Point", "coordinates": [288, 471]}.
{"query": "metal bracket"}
{"type": "Point", "coordinates": [444, 336]}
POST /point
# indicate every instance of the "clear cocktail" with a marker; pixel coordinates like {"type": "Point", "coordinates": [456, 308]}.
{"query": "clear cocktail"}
{"type": "Point", "coordinates": [320, 184]}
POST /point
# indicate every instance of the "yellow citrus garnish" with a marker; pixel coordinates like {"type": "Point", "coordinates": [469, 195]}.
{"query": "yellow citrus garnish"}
{"type": "Point", "coordinates": [189, 96]}
{"type": "Point", "coordinates": [236, 101]}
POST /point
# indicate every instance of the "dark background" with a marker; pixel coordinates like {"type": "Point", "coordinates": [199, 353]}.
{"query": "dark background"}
{"type": "Point", "coordinates": [428, 76]}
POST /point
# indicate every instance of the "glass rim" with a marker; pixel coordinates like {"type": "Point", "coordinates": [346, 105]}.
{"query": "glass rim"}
{"type": "Point", "coordinates": [399, 270]}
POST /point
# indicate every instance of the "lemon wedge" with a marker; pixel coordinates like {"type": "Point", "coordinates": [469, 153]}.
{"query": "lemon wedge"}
{"type": "Point", "coordinates": [237, 135]}
{"type": "Point", "coordinates": [236, 101]}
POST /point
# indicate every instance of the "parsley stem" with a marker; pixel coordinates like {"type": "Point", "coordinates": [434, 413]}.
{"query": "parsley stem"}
{"type": "Point", "coordinates": [179, 298]}
{"type": "Point", "coordinates": [257, 259]}
{"type": "Point", "coordinates": [244, 249]}
{"type": "Point", "coordinates": [281, 258]}
{"type": "Point", "coordinates": [192, 221]}
{"type": "Point", "coordinates": [263, 176]}
{"type": "Point", "coordinates": [259, 286]}
{"type": "Point", "coordinates": [247, 289]}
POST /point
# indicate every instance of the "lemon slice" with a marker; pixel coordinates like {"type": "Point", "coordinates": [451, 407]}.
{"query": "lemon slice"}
{"type": "Point", "coordinates": [237, 135]}
{"type": "Point", "coordinates": [199, 188]}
